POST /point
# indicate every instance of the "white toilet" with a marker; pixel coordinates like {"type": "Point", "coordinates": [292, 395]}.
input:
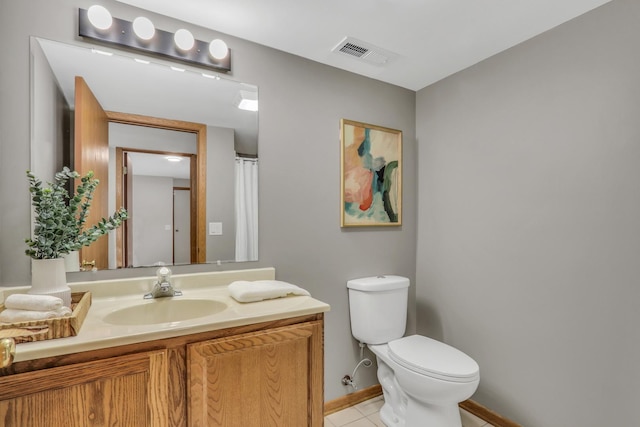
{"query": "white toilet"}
{"type": "Point", "coordinates": [422, 379]}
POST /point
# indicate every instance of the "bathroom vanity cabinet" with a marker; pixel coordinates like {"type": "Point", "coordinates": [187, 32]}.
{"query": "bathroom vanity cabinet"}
{"type": "Point", "coordinates": [126, 390]}
{"type": "Point", "coordinates": [269, 373]}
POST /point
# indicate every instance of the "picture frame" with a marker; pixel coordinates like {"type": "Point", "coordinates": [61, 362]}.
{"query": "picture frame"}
{"type": "Point", "coordinates": [370, 175]}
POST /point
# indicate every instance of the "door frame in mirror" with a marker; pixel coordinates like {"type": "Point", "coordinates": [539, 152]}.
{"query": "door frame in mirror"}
{"type": "Point", "coordinates": [124, 183]}
{"type": "Point", "coordinates": [198, 187]}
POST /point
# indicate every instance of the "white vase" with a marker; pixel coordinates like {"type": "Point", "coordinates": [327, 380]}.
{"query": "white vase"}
{"type": "Point", "coordinates": [48, 277]}
{"type": "Point", "coordinates": [71, 261]}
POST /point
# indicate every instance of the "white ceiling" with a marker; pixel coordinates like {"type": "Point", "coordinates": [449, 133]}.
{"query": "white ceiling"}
{"type": "Point", "coordinates": [427, 39]}
{"type": "Point", "coordinates": [122, 84]}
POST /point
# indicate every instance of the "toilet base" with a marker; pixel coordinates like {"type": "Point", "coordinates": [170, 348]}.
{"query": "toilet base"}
{"type": "Point", "coordinates": [402, 410]}
{"type": "Point", "coordinates": [420, 415]}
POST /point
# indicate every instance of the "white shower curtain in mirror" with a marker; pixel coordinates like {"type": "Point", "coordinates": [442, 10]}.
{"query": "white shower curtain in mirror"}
{"type": "Point", "coordinates": [246, 209]}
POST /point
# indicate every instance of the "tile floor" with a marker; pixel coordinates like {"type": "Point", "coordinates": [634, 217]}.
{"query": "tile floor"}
{"type": "Point", "coordinates": [365, 414]}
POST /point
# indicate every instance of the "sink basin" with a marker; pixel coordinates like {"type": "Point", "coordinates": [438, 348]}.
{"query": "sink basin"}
{"type": "Point", "coordinates": [163, 310]}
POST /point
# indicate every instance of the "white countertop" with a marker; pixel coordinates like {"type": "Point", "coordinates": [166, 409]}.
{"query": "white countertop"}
{"type": "Point", "coordinates": [112, 295]}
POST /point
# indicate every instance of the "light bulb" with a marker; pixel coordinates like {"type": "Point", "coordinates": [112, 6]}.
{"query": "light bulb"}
{"type": "Point", "coordinates": [184, 39]}
{"type": "Point", "coordinates": [99, 17]}
{"type": "Point", "coordinates": [143, 27]}
{"type": "Point", "coordinates": [218, 49]}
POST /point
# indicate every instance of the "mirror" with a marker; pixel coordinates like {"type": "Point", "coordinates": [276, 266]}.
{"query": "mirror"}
{"type": "Point", "coordinates": [154, 110]}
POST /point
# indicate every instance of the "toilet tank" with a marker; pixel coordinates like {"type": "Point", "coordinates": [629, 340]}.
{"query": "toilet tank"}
{"type": "Point", "coordinates": [378, 308]}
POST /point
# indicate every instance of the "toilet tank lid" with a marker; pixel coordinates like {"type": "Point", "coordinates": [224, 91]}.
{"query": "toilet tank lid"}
{"type": "Point", "coordinates": [378, 283]}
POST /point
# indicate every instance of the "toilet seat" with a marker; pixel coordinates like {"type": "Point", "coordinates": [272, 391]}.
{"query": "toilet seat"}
{"type": "Point", "coordinates": [433, 358]}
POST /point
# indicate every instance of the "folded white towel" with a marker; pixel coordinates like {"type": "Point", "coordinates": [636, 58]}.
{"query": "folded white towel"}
{"type": "Point", "coordinates": [33, 302]}
{"type": "Point", "coordinates": [245, 291]}
{"type": "Point", "coordinates": [12, 315]}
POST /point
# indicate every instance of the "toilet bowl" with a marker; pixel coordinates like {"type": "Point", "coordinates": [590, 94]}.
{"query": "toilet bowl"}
{"type": "Point", "coordinates": [427, 380]}
{"type": "Point", "coordinates": [422, 379]}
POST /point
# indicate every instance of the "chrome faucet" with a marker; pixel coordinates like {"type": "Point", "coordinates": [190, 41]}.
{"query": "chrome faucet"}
{"type": "Point", "coordinates": [163, 287]}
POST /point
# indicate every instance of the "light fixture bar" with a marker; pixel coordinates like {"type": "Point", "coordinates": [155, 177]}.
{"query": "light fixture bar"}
{"type": "Point", "coordinates": [162, 43]}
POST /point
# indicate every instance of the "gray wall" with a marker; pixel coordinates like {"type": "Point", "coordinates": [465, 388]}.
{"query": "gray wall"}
{"type": "Point", "coordinates": [529, 221]}
{"type": "Point", "coordinates": [152, 205]}
{"type": "Point", "coordinates": [221, 161]}
{"type": "Point", "coordinates": [301, 104]}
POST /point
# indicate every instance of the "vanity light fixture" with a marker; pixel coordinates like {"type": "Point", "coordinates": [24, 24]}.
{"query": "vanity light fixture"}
{"type": "Point", "coordinates": [174, 158]}
{"type": "Point", "coordinates": [97, 23]}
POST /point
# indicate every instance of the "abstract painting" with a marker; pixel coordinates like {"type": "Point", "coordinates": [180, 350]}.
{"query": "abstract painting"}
{"type": "Point", "coordinates": [371, 175]}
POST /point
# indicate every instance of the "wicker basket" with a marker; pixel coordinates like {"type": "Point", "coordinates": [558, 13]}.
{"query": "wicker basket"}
{"type": "Point", "coordinates": [61, 327]}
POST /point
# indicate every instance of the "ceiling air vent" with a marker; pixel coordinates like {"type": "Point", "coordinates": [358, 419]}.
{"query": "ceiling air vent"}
{"type": "Point", "coordinates": [353, 49]}
{"type": "Point", "coordinates": [364, 52]}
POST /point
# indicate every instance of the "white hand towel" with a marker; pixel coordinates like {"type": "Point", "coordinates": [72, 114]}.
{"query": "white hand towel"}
{"type": "Point", "coordinates": [245, 291]}
{"type": "Point", "coordinates": [33, 302]}
{"type": "Point", "coordinates": [12, 315]}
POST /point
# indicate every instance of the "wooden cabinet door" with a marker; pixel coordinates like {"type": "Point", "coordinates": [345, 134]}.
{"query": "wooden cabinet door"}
{"type": "Point", "coordinates": [121, 391]}
{"type": "Point", "coordinates": [270, 378]}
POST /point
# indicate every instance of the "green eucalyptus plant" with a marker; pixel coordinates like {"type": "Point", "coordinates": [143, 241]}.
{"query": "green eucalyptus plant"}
{"type": "Point", "coordinates": [60, 218]}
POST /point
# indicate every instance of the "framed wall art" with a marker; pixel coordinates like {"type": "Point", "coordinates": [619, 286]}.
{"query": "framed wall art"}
{"type": "Point", "coordinates": [371, 175]}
